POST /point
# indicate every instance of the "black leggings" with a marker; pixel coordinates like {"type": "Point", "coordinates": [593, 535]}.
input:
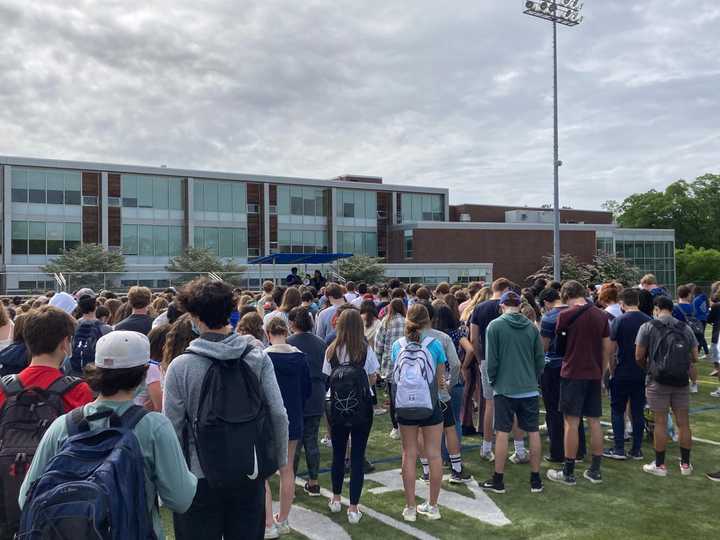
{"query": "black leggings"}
{"type": "Point", "coordinates": [358, 442]}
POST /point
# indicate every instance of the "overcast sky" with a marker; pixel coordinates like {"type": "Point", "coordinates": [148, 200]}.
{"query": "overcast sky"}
{"type": "Point", "coordinates": [455, 93]}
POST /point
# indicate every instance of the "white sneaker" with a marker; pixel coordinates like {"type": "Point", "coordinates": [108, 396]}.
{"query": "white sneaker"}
{"type": "Point", "coordinates": [354, 517]}
{"type": "Point", "coordinates": [520, 458]}
{"type": "Point", "coordinates": [334, 506]}
{"type": "Point", "coordinates": [694, 389]}
{"type": "Point", "coordinates": [325, 441]}
{"type": "Point", "coordinates": [686, 469]}
{"type": "Point", "coordinates": [283, 527]}
{"type": "Point", "coordinates": [379, 411]}
{"type": "Point", "coordinates": [271, 532]}
{"type": "Point", "coordinates": [652, 468]}
{"type": "Point", "coordinates": [409, 514]}
{"type": "Point", "coordinates": [716, 393]}
{"type": "Point", "coordinates": [394, 434]}
{"type": "Point", "coordinates": [487, 456]}
{"type": "Point", "coordinates": [543, 428]}
{"type": "Point", "coordinates": [430, 512]}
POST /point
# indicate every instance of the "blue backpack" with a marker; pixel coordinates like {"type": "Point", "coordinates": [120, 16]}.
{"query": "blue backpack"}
{"type": "Point", "coordinates": [94, 487]}
{"type": "Point", "coordinates": [83, 351]}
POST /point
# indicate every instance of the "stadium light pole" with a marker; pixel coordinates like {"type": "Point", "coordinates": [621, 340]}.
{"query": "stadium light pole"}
{"type": "Point", "coordinates": [567, 13]}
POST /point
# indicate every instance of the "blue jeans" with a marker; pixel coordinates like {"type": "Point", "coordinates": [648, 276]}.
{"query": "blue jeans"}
{"type": "Point", "coordinates": [620, 393]}
{"type": "Point", "coordinates": [456, 401]}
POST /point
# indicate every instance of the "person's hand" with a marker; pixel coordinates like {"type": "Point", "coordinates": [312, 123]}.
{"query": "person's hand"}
{"type": "Point", "coordinates": [443, 384]}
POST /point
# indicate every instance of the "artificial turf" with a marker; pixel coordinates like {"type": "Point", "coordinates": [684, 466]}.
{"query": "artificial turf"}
{"type": "Point", "coordinates": [629, 503]}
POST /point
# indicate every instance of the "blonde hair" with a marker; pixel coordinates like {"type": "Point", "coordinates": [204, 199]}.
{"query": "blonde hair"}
{"type": "Point", "coordinates": [481, 296]}
{"type": "Point", "coordinates": [277, 327]}
{"type": "Point", "coordinates": [417, 319]}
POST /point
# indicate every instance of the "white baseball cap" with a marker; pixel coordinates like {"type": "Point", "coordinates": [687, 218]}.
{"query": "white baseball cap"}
{"type": "Point", "coordinates": [122, 349]}
{"type": "Point", "coordinates": [63, 301]}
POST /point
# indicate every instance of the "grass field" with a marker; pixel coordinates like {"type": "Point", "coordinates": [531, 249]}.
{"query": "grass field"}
{"type": "Point", "coordinates": [629, 504]}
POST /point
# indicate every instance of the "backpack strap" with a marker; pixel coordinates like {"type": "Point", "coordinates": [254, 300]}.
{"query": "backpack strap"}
{"type": "Point", "coordinates": [132, 416]}
{"type": "Point", "coordinates": [403, 342]}
{"type": "Point", "coordinates": [63, 384]}
{"type": "Point", "coordinates": [11, 385]}
{"type": "Point", "coordinates": [427, 341]}
{"type": "Point", "coordinates": [74, 421]}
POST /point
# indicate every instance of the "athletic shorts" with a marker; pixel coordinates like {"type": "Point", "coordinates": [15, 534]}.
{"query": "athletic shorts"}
{"type": "Point", "coordinates": [661, 397]}
{"type": "Point", "coordinates": [435, 418]}
{"type": "Point", "coordinates": [527, 411]}
{"type": "Point", "coordinates": [580, 398]}
{"type": "Point", "coordinates": [448, 417]}
{"type": "Point", "coordinates": [486, 386]}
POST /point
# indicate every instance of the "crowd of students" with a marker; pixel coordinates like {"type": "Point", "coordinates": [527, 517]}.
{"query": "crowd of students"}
{"type": "Point", "coordinates": [210, 390]}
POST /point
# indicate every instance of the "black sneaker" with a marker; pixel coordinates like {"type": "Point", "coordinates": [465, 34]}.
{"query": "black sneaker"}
{"type": "Point", "coordinates": [492, 485]}
{"type": "Point", "coordinates": [614, 454]}
{"type": "Point", "coordinates": [469, 431]}
{"type": "Point", "coordinates": [713, 476]}
{"type": "Point", "coordinates": [636, 455]}
{"type": "Point", "coordinates": [559, 476]}
{"type": "Point", "coordinates": [551, 459]}
{"type": "Point", "coordinates": [594, 477]}
{"type": "Point", "coordinates": [462, 477]}
{"type": "Point", "coordinates": [536, 486]}
{"type": "Point", "coordinates": [312, 491]}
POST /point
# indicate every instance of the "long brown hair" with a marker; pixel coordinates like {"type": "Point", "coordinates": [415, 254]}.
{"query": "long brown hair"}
{"type": "Point", "coordinates": [4, 318]}
{"type": "Point", "coordinates": [395, 307]}
{"type": "Point", "coordinates": [177, 339]}
{"type": "Point", "coordinates": [417, 319]}
{"type": "Point", "coordinates": [251, 324]}
{"type": "Point", "coordinates": [113, 305]}
{"type": "Point", "coordinates": [350, 336]}
{"type": "Point", "coordinates": [290, 299]}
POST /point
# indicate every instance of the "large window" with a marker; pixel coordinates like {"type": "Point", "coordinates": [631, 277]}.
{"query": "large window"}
{"type": "Point", "coordinates": [297, 241]}
{"type": "Point", "coordinates": [46, 186]}
{"type": "Point", "coordinates": [605, 245]}
{"type": "Point", "coordinates": [354, 203]}
{"type": "Point", "coordinates": [408, 243]}
{"type": "Point", "coordinates": [224, 197]}
{"type": "Point", "coordinates": [145, 191]}
{"type": "Point", "coordinates": [301, 201]}
{"type": "Point", "coordinates": [230, 242]}
{"type": "Point", "coordinates": [650, 256]}
{"type": "Point", "coordinates": [44, 238]}
{"type": "Point", "coordinates": [357, 242]}
{"type": "Point", "coordinates": [152, 240]}
{"type": "Point", "coordinates": [421, 207]}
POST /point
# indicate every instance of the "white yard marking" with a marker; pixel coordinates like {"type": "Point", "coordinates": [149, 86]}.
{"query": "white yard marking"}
{"type": "Point", "coordinates": [313, 525]}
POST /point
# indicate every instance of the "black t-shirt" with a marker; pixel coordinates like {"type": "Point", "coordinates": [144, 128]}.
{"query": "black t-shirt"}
{"type": "Point", "coordinates": [314, 349]}
{"type": "Point", "coordinates": [483, 315]}
{"type": "Point", "coordinates": [623, 331]}
{"type": "Point", "coordinates": [136, 323]}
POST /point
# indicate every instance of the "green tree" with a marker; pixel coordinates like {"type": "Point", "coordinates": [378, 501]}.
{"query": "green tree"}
{"type": "Point", "coordinates": [85, 265]}
{"type": "Point", "coordinates": [195, 261]}
{"type": "Point", "coordinates": [361, 268]}
{"type": "Point", "coordinates": [611, 268]}
{"type": "Point", "coordinates": [570, 268]}
{"type": "Point", "coordinates": [697, 264]}
{"type": "Point", "coordinates": [691, 208]}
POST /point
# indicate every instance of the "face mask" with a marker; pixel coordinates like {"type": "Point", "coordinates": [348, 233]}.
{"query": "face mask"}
{"type": "Point", "coordinates": [194, 327]}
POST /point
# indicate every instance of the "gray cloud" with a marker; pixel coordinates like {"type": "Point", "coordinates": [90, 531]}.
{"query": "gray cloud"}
{"type": "Point", "coordinates": [455, 94]}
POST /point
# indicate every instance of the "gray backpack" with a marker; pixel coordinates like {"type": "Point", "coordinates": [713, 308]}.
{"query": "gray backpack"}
{"type": "Point", "coordinates": [416, 390]}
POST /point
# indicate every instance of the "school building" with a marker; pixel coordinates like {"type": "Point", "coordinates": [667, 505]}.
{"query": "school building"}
{"type": "Point", "coordinates": [150, 214]}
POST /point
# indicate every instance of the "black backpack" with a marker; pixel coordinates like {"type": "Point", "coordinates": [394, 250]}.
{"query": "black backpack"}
{"type": "Point", "coordinates": [350, 403]}
{"type": "Point", "coordinates": [25, 416]}
{"type": "Point", "coordinates": [670, 354]}
{"type": "Point", "coordinates": [83, 351]}
{"type": "Point", "coordinates": [14, 358]}
{"type": "Point", "coordinates": [233, 431]}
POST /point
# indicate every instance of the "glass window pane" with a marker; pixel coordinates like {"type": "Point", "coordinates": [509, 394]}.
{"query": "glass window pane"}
{"type": "Point", "coordinates": [226, 242]}
{"type": "Point", "coordinates": [240, 242]}
{"type": "Point", "coordinates": [161, 193]}
{"type": "Point", "coordinates": [297, 241]}
{"type": "Point", "coordinates": [55, 238]}
{"type": "Point", "coordinates": [239, 203]}
{"type": "Point", "coordinates": [37, 238]}
{"type": "Point", "coordinates": [19, 185]}
{"type": "Point", "coordinates": [198, 200]}
{"type": "Point", "coordinates": [225, 196]}
{"type": "Point", "coordinates": [130, 239]}
{"type": "Point", "coordinates": [55, 187]}
{"type": "Point", "coordinates": [358, 243]}
{"type": "Point", "coordinates": [199, 238]}
{"type": "Point", "coordinates": [348, 245]}
{"type": "Point", "coordinates": [73, 231]}
{"type": "Point", "coordinates": [283, 200]}
{"type": "Point", "coordinates": [175, 241]}
{"type": "Point", "coordinates": [211, 240]}
{"type": "Point", "coordinates": [20, 237]}
{"type": "Point", "coordinates": [161, 240]}
{"type": "Point", "coordinates": [145, 237]}
{"type": "Point", "coordinates": [145, 193]}
{"type": "Point", "coordinates": [308, 238]}
{"type": "Point", "coordinates": [211, 196]}
{"type": "Point", "coordinates": [175, 194]}
{"type": "Point", "coordinates": [73, 181]}
{"type": "Point", "coordinates": [36, 179]}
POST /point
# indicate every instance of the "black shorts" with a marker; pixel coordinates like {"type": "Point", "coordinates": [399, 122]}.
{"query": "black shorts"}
{"type": "Point", "coordinates": [435, 418]}
{"type": "Point", "coordinates": [580, 398]}
{"type": "Point", "coordinates": [448, 417]}
{"type": "Point", "coordinates": [527, 411]}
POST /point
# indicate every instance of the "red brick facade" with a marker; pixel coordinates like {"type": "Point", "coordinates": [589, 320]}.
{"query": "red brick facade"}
{"type": "Point", "coordinates": [496, 214]}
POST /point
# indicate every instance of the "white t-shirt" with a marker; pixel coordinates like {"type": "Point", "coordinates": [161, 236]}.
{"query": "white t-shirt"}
{"type": "Point", "coordinates": [350, 297]}
{"type": "Point", "coordinates": [272, 315]}
{"type": "Point", "coordinates": [372, 365]}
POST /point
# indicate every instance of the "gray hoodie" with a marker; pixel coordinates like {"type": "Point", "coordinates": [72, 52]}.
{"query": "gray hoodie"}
{"type": "Point", "coordinates": [184, 378]}
{"type": "Point", "coordinates": [452, 357]}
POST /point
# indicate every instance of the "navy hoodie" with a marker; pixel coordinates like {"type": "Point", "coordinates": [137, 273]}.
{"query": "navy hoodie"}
{"type": "Point", "coordinates": [293, 376]}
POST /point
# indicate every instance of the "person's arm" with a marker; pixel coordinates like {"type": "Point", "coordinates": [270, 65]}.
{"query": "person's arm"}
{"type": "Point", "coordinates": [380, 339]}
{"type": "Point", "coordinates": [491, 353]}
{"type": "Point", "coordinates": [173, 401]}
{"type": "Point", "coordinates": [469, 353]}
{"type": "Point", "coordinates": [278, 414]}
{"type": "Point", "coordinates": [173, 480]}
{"type": "Point", "coordinates": [475, 340]}
{"type": "Point", "coordinates": [539, 355]}
{"type": "Point", "coordinates": [453, 360]}
{"type": "Point", "coordinates": [608, 353]}
{"type": "Point", "coordinates": [642, 345]}
{"type": "Point", "coordinates": [46, 450]}
{"type": "Point", "coordinates": [155, 394]}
